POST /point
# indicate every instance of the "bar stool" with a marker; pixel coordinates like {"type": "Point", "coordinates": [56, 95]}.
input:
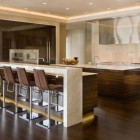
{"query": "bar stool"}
{"type": "Point", "coordinates": [42, 83]}
{"type": "Point", "coordinates": [11, 80]}
{"type": "Point", "coordinates": [2, 86]}
{"type": "Point", "coordinates": [27, 85]}
{"type": "Point", "coordinates": [56, 97]}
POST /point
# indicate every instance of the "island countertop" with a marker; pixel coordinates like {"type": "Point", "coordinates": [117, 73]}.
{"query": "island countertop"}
{"type": "Point", "coordinates": [117, 66]}
{"type": "Point", "coordinates": [51, 67]}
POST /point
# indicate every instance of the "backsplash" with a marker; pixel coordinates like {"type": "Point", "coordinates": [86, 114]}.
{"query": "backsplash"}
{"type": "Point", "coordinates": [127, 53]}
{"type": "Point", "coordinates": [119, 53]}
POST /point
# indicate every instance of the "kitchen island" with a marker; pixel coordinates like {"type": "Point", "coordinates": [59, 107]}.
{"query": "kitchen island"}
{"type": "Point", "coordinates": [72, 89]}
{"type": "Point", "coordinates": [78, 100]}
{"type": "Point", "coordinates": [118, 80]}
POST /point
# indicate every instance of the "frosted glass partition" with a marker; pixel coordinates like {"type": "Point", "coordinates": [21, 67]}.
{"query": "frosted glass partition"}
{"type": "Point", "coordinates": [72, 89]}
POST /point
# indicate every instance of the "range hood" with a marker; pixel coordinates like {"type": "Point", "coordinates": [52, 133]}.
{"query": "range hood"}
{"type": "Point", "coordinates": [121, 30]}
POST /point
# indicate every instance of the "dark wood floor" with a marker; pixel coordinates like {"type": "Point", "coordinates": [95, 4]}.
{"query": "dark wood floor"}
{"type": "Point", "coordinates": [116, 120]}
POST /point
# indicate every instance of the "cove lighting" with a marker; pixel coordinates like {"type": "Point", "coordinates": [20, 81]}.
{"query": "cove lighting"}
{"type": "Point", "coordinates": [31, 12]}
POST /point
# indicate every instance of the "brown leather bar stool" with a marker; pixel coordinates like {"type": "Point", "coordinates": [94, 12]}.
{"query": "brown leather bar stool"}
{"type": "Point", "coordinates": [27, 85]}
{"type": "Point", "coordinates": [11, 80]}
{"type": "Point", "coordinates": [2, 85]}
{"type": "Point", "coordinates": [42, 83]}
{"type": "Point", "coordinates": [56, 97]}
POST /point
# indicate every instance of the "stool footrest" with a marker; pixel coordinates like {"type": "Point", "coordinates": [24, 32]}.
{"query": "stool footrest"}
{"type": "Point", "coordinates": [30, 116]}
{"type": "Point", "coordinates": [13, 110]}
{"type": "Point", "coordinates": [45, 123]}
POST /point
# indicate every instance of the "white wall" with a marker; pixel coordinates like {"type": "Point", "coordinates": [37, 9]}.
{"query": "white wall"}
{"type": "Point", "coordinates": [80, 44]}
{"type": "Point", "coordinates": [75, 44]}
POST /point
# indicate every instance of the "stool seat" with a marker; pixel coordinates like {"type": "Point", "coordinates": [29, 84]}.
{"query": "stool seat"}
{"type": "Point", "coordinates": [54, 87]}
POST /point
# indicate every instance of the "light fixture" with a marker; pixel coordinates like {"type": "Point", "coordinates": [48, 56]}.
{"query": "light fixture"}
{"type": "Point", "coordinates": [90, 3]}
{"type": "Point", "coordinates": [108, 8]}
{"type": "Point", "coordinates": [67, 8]}
{"type": "Point", "coordinates": [44, 3]}
{"type": "Point", "coordinates": [134, 14]}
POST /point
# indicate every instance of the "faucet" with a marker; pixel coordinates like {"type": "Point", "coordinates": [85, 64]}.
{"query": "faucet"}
{"type": "Point", "coordinates": [130, 56]}
{"type": "Point", "coordinates": [95, 60]}
{"type": "Point", "coordinates": [40, 59]}
{"type": "Point", "coordinates": [131, 51]}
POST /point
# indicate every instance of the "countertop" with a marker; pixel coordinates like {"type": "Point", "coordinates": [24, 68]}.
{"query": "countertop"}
{"type": "Point", "coordinates": [27, 66]}
{"type": "Point", "coordinates": [118, 66]}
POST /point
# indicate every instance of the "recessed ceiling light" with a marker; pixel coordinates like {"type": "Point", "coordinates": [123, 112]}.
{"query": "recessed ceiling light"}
{"type": "Point", "coordinates": [67, 8]}
{"type": "Point", "coordinates": [44, 3]}
{"type": "Point", "coordinates": [90, 3]}
{"type": "Point", "coordinates": [26, 8]}
{"type": "Point", "coordinates": [134, 14]}
{"type": "Point", "coordinates": [108, 8]}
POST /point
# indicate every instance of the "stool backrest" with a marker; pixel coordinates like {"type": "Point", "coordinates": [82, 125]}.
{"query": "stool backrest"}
{"type": "Point", "coordinates": [22, 76]}
{"type": "Point", "coordinates": [2, 74]}
{"type": "Point", "coordinates": [40, 79]}
{"type": "Point", "coordinates": [8, 74]}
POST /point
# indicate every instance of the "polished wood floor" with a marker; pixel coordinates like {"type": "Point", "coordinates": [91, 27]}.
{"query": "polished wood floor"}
{"type": "Point", "coordinates": [116, 120]}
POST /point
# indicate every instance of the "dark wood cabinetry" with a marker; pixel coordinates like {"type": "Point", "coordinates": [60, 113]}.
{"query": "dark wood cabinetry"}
{"type": "Point", "coordinates": [34, 38]}
{"type": "Point", "coordinates": [117, 83]}
{"type": "Point", "coordinates": [90, 93]}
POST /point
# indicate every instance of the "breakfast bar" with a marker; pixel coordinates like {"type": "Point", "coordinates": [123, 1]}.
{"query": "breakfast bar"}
{"type": "Point", "coordinates": [72, 89]}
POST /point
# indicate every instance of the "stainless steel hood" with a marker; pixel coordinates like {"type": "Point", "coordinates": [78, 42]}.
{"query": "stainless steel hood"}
{"type": "Point", "coordinates": [122, 30]}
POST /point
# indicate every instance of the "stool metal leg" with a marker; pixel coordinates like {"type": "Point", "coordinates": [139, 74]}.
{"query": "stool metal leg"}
{"type": "Point", "coordinates": [16, 102]}
{"type": "Point", "coordinates": [30, 102]}
{"type": "Point", "coordinates": [48, 109]}
{"type": "Point", "coordinates": [15, 109]}
{"type": "Point", "coordinates": [3, 93]}
{"type": "Point", "coordinates": [30, 115]}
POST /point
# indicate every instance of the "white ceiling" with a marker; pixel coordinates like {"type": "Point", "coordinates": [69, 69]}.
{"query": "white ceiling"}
{"type": "Point", "coordinates": [76, 7]}
{"type": "Point", "coordinates": [78, 10]}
